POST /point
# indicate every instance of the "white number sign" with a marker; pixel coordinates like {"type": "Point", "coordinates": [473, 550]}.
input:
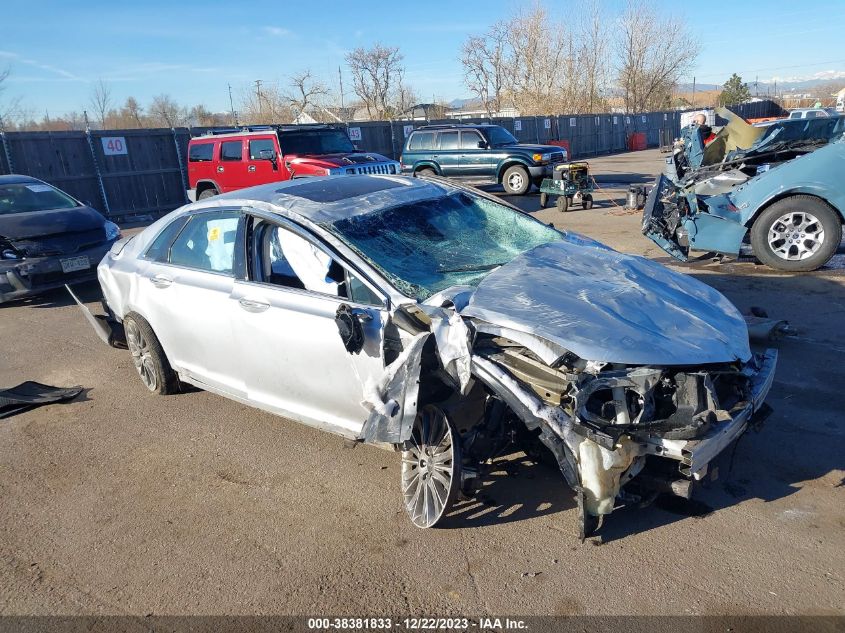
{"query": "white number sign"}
{"type": "Point", "coordinates": [644, 119]}
{"type": "Point", "coordinates": [547, 123]}
{"type": "Point", "coordinates": [517, 126]}
{"type": "Point", "coordinates": [408, 130]}
{"type": "Point", "coordinates": [354, 134]}
{"type": "Point", "coordinates": [615, 121]}
{"type": "Point", "coordinates": [572, 121]}
{"type": "Point", "coordinates": [114, 145]}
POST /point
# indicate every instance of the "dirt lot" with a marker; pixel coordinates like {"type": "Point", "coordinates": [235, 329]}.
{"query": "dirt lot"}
{"type": "Point", "coordinates": [126, 503]}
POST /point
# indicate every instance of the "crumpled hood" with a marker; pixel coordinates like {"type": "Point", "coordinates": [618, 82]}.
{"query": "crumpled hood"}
{"type": "Point", "coordinates": [18, 226]}
{"type": "Point", "coordinates": [610, 307]}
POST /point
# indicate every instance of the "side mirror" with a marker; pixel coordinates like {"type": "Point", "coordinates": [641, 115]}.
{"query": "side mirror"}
{"type": "Point", "coordinates": [269, 154]}
{"type": "Point", "coordinates": [482, 144]}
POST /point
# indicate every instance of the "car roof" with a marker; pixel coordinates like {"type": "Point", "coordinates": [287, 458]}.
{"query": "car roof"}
{"type": "Point", "coordinates": [331, 198]}
{"type": "Point", "coordinates": [14, 179]}
{"type": "Point", "coordinates": [458, 126]}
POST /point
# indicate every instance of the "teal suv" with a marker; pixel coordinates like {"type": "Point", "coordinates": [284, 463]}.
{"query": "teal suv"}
{"type": "Point", "coordinates": [482, 153]}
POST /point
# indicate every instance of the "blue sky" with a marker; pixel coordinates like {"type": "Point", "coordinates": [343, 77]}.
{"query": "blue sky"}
{"type": "Point", "coordinates": [192, 50]}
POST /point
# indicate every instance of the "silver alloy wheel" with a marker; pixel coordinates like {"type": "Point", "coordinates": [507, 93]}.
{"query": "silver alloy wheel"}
{"type": "Point", "coordinates": [142, 358]}
{"type": "Point", "coordinates": [796, 235]}
{"type": "Point", "coordinates": [515, 181]}
{"type": "Point", "coordinates": [429, 468]}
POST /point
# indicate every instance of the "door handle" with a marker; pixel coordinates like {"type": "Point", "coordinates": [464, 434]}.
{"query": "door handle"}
{"type": "Point", "coordinates": [219, 169]}
{"type": "Point", "coordinates": [161, 281]}
{"type": "Point", "coordinates": [251, 168]}
{"type": "Point", "coordinates": [251, 305]}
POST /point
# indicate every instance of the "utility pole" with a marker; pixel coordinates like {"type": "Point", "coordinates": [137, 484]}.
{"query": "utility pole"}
{"type": "Point", "coordinates": [340, 79]}
{"type": "Point", "coordinates": [693, 92]}
{"type": "Point", "coordinates": [258, 96]}
{"type": "Point", "coordinates": [232, 106]}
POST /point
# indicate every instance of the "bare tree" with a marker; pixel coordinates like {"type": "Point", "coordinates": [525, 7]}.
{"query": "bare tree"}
{"type": "Point", "coordinates": [305, 91]}
{"type": "Point", "coordinates": [485, 62]}
{"type": "Point", "coordinates": [376, 74]}
{"type": "Point", "coordinates": [132, 111]}
{"type": "Point", "coordinates": [265, 105]}
{"type": "Point", "coordinates": [165, 112]}
{"type": "Point", "coordinates": [654, 52]}
{"type": "Point", "coordinates": [593, 59]}
{"type": "Point", "coordinates": [101, 100]}
{"type": "Point", "coordinates": [10, 111]}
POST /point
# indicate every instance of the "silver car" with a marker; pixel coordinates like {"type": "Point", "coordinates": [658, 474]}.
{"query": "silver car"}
{"type": "Point", "coordinates": [438, 320]}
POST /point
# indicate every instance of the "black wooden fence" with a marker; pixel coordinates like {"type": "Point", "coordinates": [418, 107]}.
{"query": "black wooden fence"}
{"type": "Point", "coordinates": [141, 174]}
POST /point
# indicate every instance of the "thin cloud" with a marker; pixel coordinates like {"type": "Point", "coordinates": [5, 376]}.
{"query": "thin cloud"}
{"type": "Point", "coordinates": [61, 72]}
{"type": "Point", "coordinates": [277, 31]}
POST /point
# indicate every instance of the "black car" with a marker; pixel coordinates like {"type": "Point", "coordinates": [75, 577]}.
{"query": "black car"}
{"type": "Point", "coordinates": [481, 153]}
{"type": "Point", "coordinates": [47, 238]}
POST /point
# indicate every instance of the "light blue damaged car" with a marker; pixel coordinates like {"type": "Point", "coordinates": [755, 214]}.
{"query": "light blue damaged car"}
{"type": "Point", "coordinates": [782, 199]}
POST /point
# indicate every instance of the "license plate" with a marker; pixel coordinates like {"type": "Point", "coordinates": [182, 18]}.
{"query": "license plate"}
{"type": "Point", "coordinates": [72, 264]}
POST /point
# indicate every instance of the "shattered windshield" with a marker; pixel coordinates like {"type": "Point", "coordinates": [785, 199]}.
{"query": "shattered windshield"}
{"type": "Point", "coordinates": [804, 132]}
{"type": "Point", "coordinates": [499, 136]}
{"type": "Point", "coordinates": [428, 246]}
{"type": "Point", "coordinates": [315, 142]}
{"type": "Point", "coordinates": [32, 196]}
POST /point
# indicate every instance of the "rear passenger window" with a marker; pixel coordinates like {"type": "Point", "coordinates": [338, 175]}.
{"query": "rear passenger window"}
{"type": "Point", "coordinates": [260, 145]}
{"type": "Point", "coordinates": [422, 140]}
{"type": "Point", "coordinates": [449, 140]}
{"type": "Point", "coordinates": [201, 152]}
{"type": "Point", "coordinates": [231, 150]}
{"type": "Point", "coordinates": [207, 242]}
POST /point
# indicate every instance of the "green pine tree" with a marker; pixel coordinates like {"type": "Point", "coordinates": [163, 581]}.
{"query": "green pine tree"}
{"type": "Point", "coordinates": [734, 91]}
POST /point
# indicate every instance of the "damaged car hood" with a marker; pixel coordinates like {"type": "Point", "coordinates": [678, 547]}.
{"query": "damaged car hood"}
{"type": "Point", "coordinates": [609, 307]}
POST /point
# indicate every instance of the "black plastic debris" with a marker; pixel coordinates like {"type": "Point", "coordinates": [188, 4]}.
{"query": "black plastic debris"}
{"type": "Point", "coordinates": [30, 394]}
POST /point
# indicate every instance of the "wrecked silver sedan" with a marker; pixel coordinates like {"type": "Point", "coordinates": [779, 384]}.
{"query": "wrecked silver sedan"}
{"type": "Point", "coordinates": [440, 321]}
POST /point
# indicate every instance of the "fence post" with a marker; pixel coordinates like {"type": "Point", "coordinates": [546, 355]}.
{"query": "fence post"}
{"type": "Point", "coordinates": [536, 130]}
{"type": "Point", "coordinates": [7, 152]}
{"type": "Point", "coordinates": [97, 171]}
{"type": "Point", "coordinates": [181, 166]}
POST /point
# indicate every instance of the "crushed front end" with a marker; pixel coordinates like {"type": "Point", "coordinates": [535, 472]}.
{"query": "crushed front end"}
{"type": "Point", "coordinates": [643, 429]}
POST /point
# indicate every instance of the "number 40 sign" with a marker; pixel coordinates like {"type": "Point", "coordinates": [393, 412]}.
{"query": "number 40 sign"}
{"type": "Point", "coordinates": [114, 145]}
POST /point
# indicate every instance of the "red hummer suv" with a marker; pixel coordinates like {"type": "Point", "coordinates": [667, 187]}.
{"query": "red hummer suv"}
{"type": "Point", "coordinates": [233, 159]}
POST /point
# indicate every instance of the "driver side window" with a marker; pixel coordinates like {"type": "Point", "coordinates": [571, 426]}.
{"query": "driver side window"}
{"type": "Point", "coordinates": [291, 261]}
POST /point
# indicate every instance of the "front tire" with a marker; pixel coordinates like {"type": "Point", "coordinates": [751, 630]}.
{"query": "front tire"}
{"type": "Point", "coordinates": [516, 181]}
{"type": "Point", "coordinates": [425, 171]}
{"type": "Point", "coordinates": [544, 200]}
{"type": "Point", "coordinates": [796, 234]}
{"type": "Point", "coordinates": [148, 357]}
{"type": "Point", "coordinates": [431, 468]}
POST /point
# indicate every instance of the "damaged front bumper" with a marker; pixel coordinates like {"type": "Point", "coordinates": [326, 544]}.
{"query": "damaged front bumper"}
{"type": "Point", "coordinates": [598, 457]}
{"type": "Point", "coordinates": [679, 221]}
{"type": "Point", "coordinates": [21, 278]}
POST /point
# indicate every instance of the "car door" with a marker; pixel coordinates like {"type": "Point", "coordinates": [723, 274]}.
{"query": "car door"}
{"type": "Point", "coordinates": [231, 169]}
{"type": "Point", "coordinates": [298, 365]}
{"type": "Point", "coordinates": [185, 292]}
{"type": "Point", "coordinates": [449, 153]}
{"type": "Point", "coordinates": [475, 156]}
{"type": "Point", "coordinates": [260, 169]}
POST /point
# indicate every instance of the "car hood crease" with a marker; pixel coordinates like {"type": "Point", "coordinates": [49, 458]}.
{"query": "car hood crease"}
{"type": "Point", "coordinates": [606, 306]}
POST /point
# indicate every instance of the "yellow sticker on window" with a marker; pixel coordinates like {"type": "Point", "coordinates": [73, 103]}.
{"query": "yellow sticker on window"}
{"type": "Point", "coordinates": [214, 234]}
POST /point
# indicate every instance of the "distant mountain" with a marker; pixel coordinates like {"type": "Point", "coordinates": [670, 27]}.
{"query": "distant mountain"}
{"type": "Point", "coordinates": [786, 84]}
{"type": "Point", "coordinates": [698, 87]}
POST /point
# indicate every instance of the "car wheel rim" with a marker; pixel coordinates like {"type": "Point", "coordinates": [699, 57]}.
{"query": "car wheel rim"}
{"type": "Point", "coordinates": [141, 356]}
{"type": "Point", "coordinates": [515, 181]}
{"type": "Point", "coordinates": [428, 468]}
{"type": "Point", "coordinates": [796, 235]}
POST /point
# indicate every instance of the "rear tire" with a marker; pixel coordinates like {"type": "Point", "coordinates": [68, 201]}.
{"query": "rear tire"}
{"type": "Point", "coordinates": [797, 234]}
{"type": "Point", "coordinates": [148, 357]}
{"type": "Point", "coordinates": [544, 200]}
{"type": "Point", "coordinates": [425, 171]}
{"type": "Point", "coordinates": [516, 181]}
{"type": "Point", "coordinates": [207, 193]}
{"type": "Point", "coordinates": [588, 201]}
